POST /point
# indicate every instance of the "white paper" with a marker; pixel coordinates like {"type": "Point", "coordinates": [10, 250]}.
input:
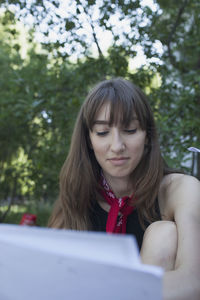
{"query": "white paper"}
{"type": "Point", "coordinates": [85, 245]}
{"type": "Point", "coordinates": [50, 264]}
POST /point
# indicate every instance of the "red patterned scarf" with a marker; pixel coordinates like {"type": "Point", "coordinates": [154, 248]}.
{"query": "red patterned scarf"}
{"type": "Point", "coordinates": [119, 209]}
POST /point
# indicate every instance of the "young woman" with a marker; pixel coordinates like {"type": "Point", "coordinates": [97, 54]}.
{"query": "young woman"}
{"type": "Point", "coordinates": [114, 179]}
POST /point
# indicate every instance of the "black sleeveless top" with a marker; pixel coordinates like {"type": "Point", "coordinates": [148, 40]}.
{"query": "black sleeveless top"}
{"type": "Point", "coordinates": [99, 218]}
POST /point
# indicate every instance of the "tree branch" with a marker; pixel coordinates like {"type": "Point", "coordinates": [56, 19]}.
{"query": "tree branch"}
{"type": "Point", "coordinates": [172, 32]}
{"type": "Point", "coordinates": [93, 33]}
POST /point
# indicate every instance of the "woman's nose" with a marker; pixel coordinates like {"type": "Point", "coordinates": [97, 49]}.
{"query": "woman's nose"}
{"type": "Point", "coordinates": [117, 142]}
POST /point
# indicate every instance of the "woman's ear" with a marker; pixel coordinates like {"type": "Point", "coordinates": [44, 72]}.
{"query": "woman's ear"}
{"type": "Point", "coordinates": [147, 144]}
{"type": "Point", "coordinates": [89, 143]}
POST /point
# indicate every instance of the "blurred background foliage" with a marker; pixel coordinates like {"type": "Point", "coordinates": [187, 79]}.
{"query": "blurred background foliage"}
{"type": "Point", "coordinates": [53, 52]}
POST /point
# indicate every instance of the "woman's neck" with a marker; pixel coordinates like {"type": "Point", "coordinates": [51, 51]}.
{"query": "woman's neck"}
{"type": "Point", "coordinates": [120, 186]}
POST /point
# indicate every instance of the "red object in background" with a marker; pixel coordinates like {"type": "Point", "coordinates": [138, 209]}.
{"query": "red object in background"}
{"type": "Point", "coordinates": [28, 219]}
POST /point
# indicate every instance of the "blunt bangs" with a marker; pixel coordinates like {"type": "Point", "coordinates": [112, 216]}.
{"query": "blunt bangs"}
{"type": "Point", "coordinates": [126, 101]}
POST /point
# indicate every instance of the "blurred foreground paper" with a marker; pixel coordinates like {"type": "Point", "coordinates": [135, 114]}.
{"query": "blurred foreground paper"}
{"type": "Point", "coordinates": [53, 264]}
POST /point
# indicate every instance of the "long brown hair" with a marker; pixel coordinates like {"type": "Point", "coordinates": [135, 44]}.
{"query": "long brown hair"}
{"type": "Point", "coordinates": [80, 174]}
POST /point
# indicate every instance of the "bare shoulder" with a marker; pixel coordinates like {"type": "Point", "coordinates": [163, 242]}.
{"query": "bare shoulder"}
{"type": "Point", "coordinates": [179, 192]}
{"type": "Point", "coordinates": [176, 181]}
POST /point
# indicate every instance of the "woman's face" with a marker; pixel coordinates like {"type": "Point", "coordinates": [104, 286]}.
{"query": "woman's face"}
{"type": "Point", "coordinates": [118, 150]}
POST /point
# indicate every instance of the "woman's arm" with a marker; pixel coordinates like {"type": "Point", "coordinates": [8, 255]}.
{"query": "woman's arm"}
{"type": "Point", "coordinates": [182, 198]}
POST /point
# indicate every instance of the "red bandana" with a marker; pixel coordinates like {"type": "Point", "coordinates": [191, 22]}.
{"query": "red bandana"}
{"type": "Point", "coordinates": [119, 209]}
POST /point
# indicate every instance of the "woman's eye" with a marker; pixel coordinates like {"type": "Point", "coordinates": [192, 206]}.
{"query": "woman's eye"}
{"type": "Point", "coordinates": [130, 131]}
{"type": "Point", "coordinates": [102, 133]}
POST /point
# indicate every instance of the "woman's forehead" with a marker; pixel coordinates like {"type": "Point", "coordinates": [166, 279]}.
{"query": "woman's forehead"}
{"type": "Point", "coordinates": [104, 114]}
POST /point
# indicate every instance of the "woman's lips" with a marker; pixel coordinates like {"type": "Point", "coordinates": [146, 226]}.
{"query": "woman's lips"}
{"type": "Point", "coordinates": [118, 161]}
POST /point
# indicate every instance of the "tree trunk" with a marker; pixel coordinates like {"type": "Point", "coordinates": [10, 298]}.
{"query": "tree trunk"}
{"type": "Point", "coordinates": [10, 202]}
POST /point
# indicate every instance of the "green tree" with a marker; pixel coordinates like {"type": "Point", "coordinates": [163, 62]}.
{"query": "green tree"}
{"type": "Point", "coordinates": [176, 26]}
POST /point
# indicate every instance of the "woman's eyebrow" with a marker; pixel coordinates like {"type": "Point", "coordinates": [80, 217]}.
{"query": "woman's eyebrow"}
{"type": "Point", "coordinates": [101, 122]}
{"type": "Point", "coordinates": [134, 118]}
{"type": "Point", "coordinates": [105, 122]}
